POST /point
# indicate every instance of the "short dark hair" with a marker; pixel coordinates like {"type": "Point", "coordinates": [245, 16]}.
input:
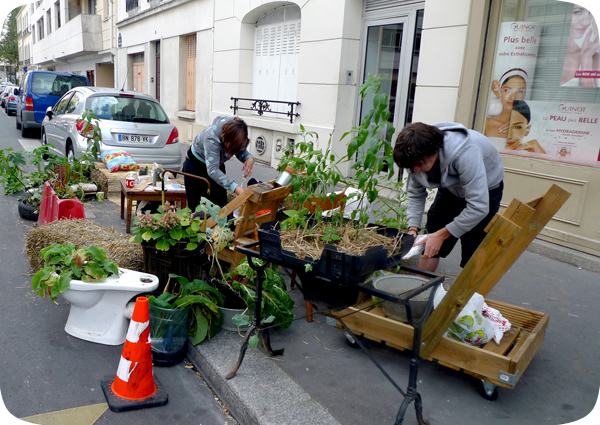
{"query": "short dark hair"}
{"type": "Point", "coordinates": [235, 136]}
{"type": "Point", "coordinates": [417, 142]}
{"type": "Point", "coordinates": [522, 108]}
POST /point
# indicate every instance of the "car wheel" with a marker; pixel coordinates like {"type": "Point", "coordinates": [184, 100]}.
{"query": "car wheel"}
{"type": "Point", "coordinates": [70, 153]}
{"type": "Point", "coordinates": [17, 123]}
{"type": "Point", "coordinates": [24, 130]}
{"type": "Point", "coordinates": [45, 156]}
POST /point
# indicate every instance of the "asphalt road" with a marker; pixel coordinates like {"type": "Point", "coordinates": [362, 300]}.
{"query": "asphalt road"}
{"type": "Point", "coordinates": [42, 368]}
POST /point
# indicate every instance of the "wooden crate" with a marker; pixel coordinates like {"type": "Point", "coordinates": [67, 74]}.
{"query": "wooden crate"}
{"type": "Point", "coordinates": [501, 364]}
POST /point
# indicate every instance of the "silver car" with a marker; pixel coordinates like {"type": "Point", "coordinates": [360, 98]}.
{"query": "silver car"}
{"type": "Point", "coordinates": [131, 121]}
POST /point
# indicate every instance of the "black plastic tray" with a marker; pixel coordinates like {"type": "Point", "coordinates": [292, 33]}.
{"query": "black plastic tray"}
{"type": "Point", "coordinates": [332, 280]}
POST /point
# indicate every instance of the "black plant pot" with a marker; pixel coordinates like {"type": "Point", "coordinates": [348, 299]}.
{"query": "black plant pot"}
{"type": "Point", "coordinates": [28, 212]}
{"type": "Point", "coordinates": [331, 282]}
{"type": "Point", "coordinates": [177, 260]}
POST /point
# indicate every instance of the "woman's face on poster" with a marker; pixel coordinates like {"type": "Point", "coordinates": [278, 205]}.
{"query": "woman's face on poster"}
{"type": "Point", "coordinates": [511, 90]}
{"type": "Point", "coordinates": [519, 128]}
{"type": "Point", "coordinates": [581, 21]}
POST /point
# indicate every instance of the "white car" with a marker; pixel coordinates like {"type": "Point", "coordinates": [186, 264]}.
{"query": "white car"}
{"type": "Point", "coordinates": [131, 121]}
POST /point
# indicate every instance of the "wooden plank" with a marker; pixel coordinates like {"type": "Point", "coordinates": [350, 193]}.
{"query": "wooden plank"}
{"type": "Point", "coordinates": [496, 243]}
{"type": "Point", "coordinates": [373, 338]}
{"type": "Point", "coordinates": [397, 347]}
{"type": "Point", "coordinates": [452, 352]}
{"type": "Point", "coordinates": [517, 212]}
{"type": "Point", "coordinates": [448, 365]}
{"type": "Point", "coordinates": [505, 344]}
{"type": "Point", "coordinates": [518, 316]}
{"type": "Point", "coordinates": [533, 202]}
{"type": "Point", "coordinates": [525, 353]}
{"type": "Point", "coordinates": [229, 208]}
{"type": "Point", "coordinates": [544, 211]}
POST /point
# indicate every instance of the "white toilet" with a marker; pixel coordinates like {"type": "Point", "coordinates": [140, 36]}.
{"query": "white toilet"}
{"type": "Point", "coordinates": [99, 311]}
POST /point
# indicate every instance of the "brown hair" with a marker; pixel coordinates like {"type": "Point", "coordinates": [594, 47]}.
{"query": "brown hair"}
{"type": "Point", "coordinates": [417, 142]}
{"type": "Point", "coordinates": [235, 136]}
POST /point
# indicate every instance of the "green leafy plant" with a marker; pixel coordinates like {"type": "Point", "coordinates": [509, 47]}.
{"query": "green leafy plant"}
{"type": "Point", "coordinates": [317, 174]}
{"type": "Point", "coordinates": [63, 262]}
{"type": "Point", "coordinates": [92, 133]}
{"type": "Point", "coordinates": [168, 227]}
{"type": "Point", "coordinates": [275, 300]}
{"type": "Point", "coordinates": [202, 298]}
{"type": "Point", "coordinates": [371, 149]}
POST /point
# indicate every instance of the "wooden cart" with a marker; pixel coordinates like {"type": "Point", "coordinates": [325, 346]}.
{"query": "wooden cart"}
{"type": "Point", "coordinates": [502, 365]}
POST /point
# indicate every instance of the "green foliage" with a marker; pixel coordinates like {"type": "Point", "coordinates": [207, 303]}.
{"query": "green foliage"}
{"type": "Point", "coordinates": [9, 48]}
{"type": "Point", "coordinates": [203, 300]}
{"type": "Point", "coordinates": [371, 148]}
{"type": "Point", "coordinates": [62, 262]}
{"type": "Point", "coordinates": [60, 172]}
{"type": "Point", "coordinates": [92, 132]}
{"type": "Point", "coordinates": [275, 300]}
{"type": "Point", "coordinates": [317, 173]}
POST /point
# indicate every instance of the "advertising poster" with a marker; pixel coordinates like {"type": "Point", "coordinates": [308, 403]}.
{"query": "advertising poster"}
{"type": "Point", "coordinates": [557, 131]}
{"type": "Point", "coordinates": [514, 65]}
{"type": "Point", "coordinates": [582, 60]}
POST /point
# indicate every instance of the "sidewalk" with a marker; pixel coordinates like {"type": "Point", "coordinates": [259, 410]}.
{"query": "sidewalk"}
{"type": "Point", "coordinates": [320, 370]}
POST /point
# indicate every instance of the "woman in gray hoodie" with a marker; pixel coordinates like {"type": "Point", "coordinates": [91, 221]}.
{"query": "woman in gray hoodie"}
{"type": "Point", "coordinates": [467, 171]}
{"type": "Point", "coordinates": [215, 145]}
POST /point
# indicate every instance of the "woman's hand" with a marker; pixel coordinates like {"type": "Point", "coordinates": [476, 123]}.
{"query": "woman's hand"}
{"type": "Point", "coordinates": [247, 168]}
{"type": "Point", "coordinates": [412, 230]}
{"type": "Point", "coordinates": [238, 190]}
{"type": "Point", "coordinates": [530, 146]}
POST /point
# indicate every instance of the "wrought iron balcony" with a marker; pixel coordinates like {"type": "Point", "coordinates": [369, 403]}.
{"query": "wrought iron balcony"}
{"type": "Point", "coordinates": [261, 106]}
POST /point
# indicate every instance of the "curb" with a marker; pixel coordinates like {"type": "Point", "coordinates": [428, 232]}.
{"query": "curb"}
{"type": "Point", "coordinates": [261, 393]}
{"type": "Point", "coordinates": [565, 255]}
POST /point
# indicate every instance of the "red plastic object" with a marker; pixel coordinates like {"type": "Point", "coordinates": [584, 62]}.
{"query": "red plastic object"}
{"type": "Point", "coordinates": [53, 208]}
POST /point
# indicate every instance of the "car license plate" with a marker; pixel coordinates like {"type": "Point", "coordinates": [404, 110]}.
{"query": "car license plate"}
{"type": "Point", "coordinates": [134, 138]}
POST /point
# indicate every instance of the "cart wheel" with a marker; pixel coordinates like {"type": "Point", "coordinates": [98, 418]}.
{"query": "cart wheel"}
{"type": "Point", "coordinates": [489, 390]}
{"type": "Point", "coordinates": [350, 340]}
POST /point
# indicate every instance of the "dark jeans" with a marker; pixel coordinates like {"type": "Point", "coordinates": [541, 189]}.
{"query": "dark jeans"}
{"type": "Point", "coordinates": [446, 207]}
{"type": "Point", "coordinates": [196, 188]}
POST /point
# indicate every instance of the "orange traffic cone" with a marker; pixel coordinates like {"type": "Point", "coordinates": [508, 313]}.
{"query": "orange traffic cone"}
{"type": "Point", "coordinates": [135, 387]}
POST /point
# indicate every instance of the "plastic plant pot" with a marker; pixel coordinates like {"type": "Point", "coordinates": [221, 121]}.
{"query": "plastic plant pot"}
{"type": "Point", "coordinates": [168, 335]}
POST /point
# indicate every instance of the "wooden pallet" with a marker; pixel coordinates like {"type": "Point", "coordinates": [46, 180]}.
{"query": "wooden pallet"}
{"type": "Point", "coordinates": [499, 364]}
{"type": "Point", "coordinates": [509, 234]}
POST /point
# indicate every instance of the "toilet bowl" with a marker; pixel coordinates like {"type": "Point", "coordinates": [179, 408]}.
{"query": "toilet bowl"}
{"type": "Point", "coordinates": [99, 310]}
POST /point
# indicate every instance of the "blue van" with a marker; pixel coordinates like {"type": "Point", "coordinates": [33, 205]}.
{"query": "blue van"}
{"type": "Point", "coordinates": [38, 90]}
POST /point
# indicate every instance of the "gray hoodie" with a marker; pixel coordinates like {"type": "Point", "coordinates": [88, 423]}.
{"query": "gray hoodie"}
{"type": "Point", "coordinates": [470, 166]}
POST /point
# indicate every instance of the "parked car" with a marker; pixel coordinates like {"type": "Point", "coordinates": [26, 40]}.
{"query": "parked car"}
{"type": "Point", "coordinates": [11, 100]}
{"type": "Point", "coordinates": [38, 91]}
{"type": "Point", "coordinates": [3, 95]}
{"type": "Point", "coordinates": [131, 121]}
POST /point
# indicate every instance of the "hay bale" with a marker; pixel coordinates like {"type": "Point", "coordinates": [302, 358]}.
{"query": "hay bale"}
{"type": "Point", "coordinates": [128, 255]}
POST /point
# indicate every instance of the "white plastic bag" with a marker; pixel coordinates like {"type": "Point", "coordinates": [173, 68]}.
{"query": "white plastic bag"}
{"type": "Point", "coordinates": [471, 326]}
{"type": "Point", "coordinates": [416, 250]}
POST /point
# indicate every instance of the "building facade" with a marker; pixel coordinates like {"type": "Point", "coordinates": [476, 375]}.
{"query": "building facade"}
{"type": "Point", "coordinates": [467, 61]}
{"type": "Point", "coordinates": [24, 39]}
{"type": "Point", "coordinates": [75, 36]}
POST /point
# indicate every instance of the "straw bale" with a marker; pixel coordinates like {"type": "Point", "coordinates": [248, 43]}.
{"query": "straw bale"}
{"type": "Point", "coordinates": [128, 255]}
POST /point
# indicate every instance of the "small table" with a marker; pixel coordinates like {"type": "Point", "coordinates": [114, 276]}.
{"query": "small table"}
{"type": "Point", "coordinates": [146, 195]}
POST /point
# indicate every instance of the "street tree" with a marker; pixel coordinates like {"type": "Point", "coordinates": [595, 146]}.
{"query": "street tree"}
{"type": "Point", "coordinates": [9, 47]}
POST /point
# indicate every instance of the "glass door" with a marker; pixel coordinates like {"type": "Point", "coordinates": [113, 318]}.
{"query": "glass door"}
{"type": "Point", "coordinates": [391, 51]}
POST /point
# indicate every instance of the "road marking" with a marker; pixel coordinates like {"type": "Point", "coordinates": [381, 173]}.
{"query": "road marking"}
{"type": "Point", "coordinates": [86, 415]}
{"type": "Point", "coordinates": [30, 144]}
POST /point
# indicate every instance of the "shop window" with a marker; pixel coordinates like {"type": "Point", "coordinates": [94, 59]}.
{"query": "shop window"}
{"type": "Point", "coordinates": [544, 99]}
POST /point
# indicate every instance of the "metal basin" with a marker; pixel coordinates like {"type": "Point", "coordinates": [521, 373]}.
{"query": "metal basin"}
{"type": "Point", "coordinates": [398, 285]}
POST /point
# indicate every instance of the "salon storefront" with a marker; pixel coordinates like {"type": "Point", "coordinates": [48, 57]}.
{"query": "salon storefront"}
{"type": "Point", "coordinates": [539, 102]}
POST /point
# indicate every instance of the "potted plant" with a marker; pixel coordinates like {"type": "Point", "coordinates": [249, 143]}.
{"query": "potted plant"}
{"type": "Point", "coordinates": [277, 305]}
{"type": "Point", "coordinates": [63, 262]}
{"type": "Point", "coordinates": [332, 254]}
{"type": "Point", "coordinates": [172, 242]}
{"type": "Point", "coordinates": [171, 321]}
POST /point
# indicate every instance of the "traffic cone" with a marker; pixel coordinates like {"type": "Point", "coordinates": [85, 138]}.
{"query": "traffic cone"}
{"type": "Point", "coordinates": [135, 387]}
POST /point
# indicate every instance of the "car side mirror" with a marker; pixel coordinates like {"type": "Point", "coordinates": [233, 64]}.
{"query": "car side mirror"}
{"type": "Point", "coordinates": [49, 112]}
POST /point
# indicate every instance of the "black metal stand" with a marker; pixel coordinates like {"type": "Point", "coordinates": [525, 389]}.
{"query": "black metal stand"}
{"type": "Point", "coordinates": [411, 395]}
{"type": "Point", "coordinates": [255, 326]}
